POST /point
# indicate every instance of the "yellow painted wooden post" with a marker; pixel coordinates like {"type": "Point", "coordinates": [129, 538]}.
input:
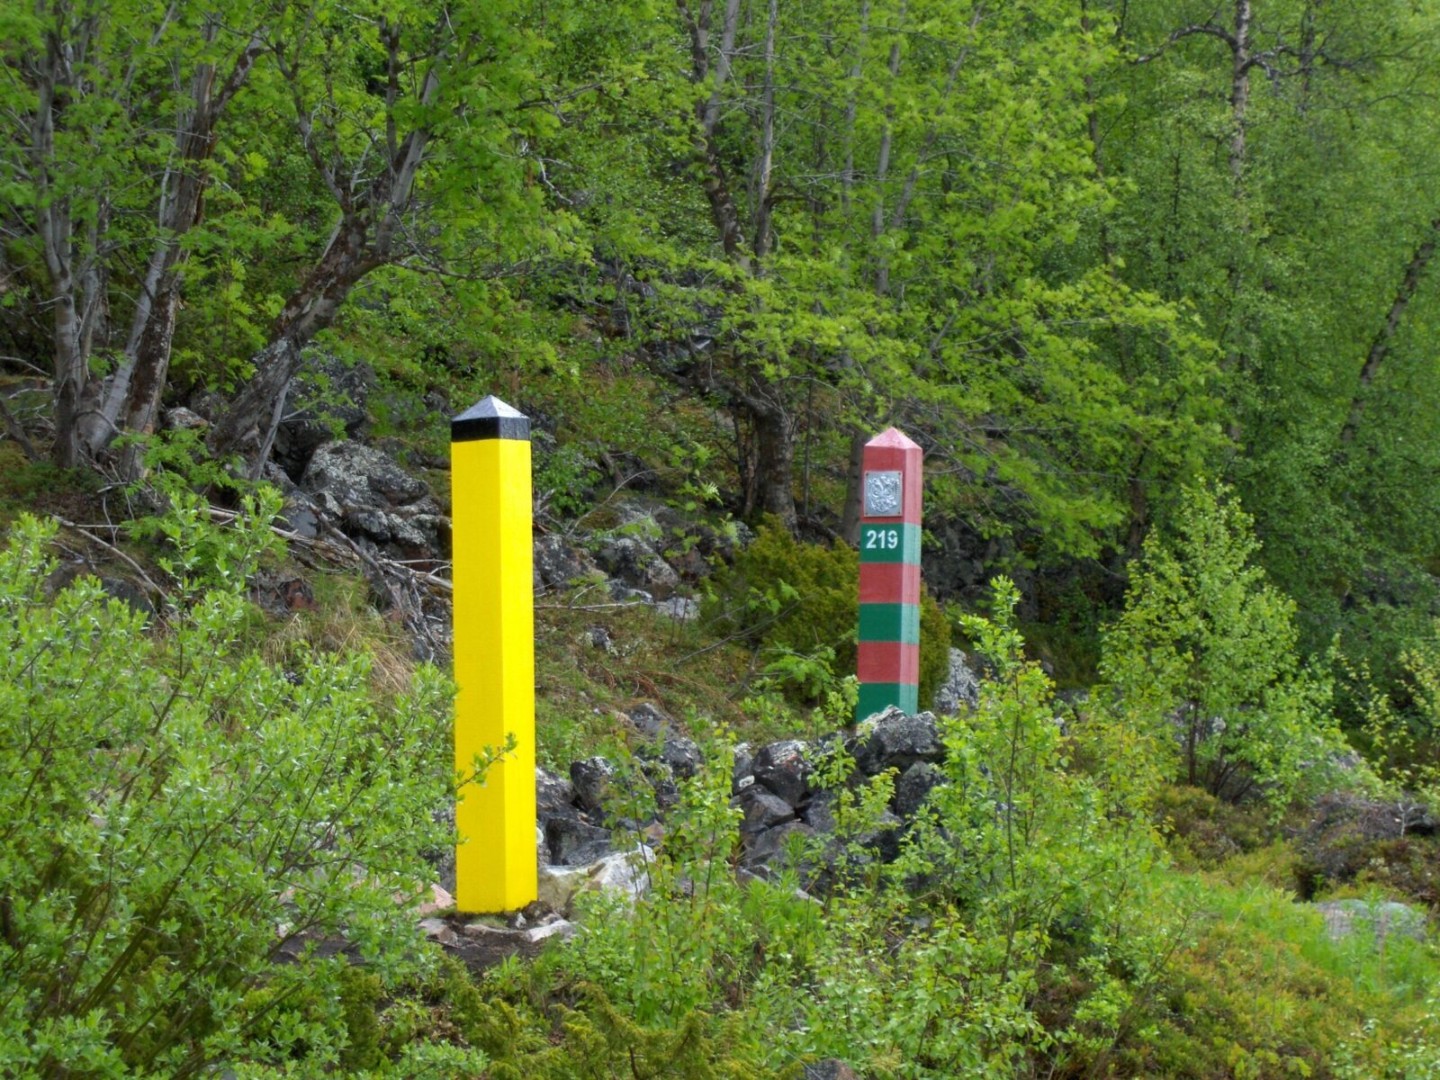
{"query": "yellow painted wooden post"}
{"type": "Point", "coordinates": [495, 862]}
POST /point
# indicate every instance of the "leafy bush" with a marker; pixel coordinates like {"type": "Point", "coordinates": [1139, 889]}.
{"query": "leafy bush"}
{"type": "Point", "coordinates": [1204, 831]}
{"type": "Point", "coordinates": [1206, 638]}
{"type": "Point", "coordinates": [178, 815]}
{"type": "Point", "coordinates": [790, 598]}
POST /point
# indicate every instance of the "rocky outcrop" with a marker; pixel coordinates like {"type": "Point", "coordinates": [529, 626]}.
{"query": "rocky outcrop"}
{"type": "Point", "coordinates": [774, 791]}
{"type": "Point", "coordinates": [327, 402]}
{"type": "Point", "coordinates": [638, 567]}
{"type": "Point", "coordinates": [369, 495]}
{"type": "Point", "coordinates": [961, 688]}
{"type": "Point", "coordinates": [561, 564]}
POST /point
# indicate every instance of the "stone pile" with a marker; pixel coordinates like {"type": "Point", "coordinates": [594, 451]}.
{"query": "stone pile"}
{"type": "Point", "coordinates": [772, 787]}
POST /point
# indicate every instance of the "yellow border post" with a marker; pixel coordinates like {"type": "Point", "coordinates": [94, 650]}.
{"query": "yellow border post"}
{"type": "Point", "coordinates": [495, 862]}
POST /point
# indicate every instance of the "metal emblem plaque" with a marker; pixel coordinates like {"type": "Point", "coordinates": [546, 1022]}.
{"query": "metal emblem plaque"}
{"type": "Point", "coordinates": [883, 491]}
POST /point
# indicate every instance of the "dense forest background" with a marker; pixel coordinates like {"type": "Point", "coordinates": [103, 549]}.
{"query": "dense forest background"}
{"type": "Point", "coordinates": [1083, 253]}
{"type": "Point", "coordinates": [1153, 284]}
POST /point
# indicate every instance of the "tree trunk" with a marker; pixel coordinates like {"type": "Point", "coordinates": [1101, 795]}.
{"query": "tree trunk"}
{"type": "Point", "coordinates": [854, 490]}
{"type": "Point", "coordinates": [1240, 64]}
{"type": "Point", "coordinates": [150, 372]}
{"type": "Point", "coordinates": [770, 485]}
{"type": "Point", "coordinates": [1380, 347]}
{"type": "Point", "coordinates": [71, 376]}
{"type": "Point", "coordinates": [774, 461]}
{"type": "Point", "coordinates": [55, 228]}
{"type": "Point", "coordinates": [132, 398]}
{"type": "Point", "coordinates": [248, 426]}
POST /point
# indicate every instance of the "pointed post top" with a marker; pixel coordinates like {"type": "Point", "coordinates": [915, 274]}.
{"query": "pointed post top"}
{"type": "Point", "coordinates": [489, 418]}
{"type": "Point", "coordinates": [894, 437]}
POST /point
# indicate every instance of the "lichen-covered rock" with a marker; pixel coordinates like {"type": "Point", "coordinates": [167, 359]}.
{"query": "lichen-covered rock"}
{"type": "Point", "coordinates": [762, 809]}
{"type": "Point", "coordinates": [592, 778]}
{"type": "Point", "coordinates": [662, 742]}
{"type": "Point", "coordinates": [356, 475]}
{"type": "Point", "coordinates": [914, 787]}
{"type": "Point", "coordinates": [553, 794]}
{"type": "Point", "coordinates": [1381, 919]}
{"type": "Point", "coordinates": [782, 768]}
{"type": "Point", "coordinates": [961, 688]}
{"type": "Point", "coordinates": [560, 564]}
{"type": "Point", "coordinates": [895, 740]}
{"type": "Point", "coordinates": [369, 495]}
{"type": "Point", "coordinates": [742, 775]}
{"type": "Point", "coordinates": [639, 566]}
{"type": "Point", "coordinates": [1340, 837]}
{"type": "Point", "coordinates": [571, 841]}
{"type": "Point", "coordinates": [769, 848]}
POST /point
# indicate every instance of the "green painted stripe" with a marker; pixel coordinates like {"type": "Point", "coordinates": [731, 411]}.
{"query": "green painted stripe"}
{"type": "Point", "coordinates": [877, 697]}
{"type": "Point", "coordinates": [890, 543]}
{"type": "Point", "coordinates": [890, 622]}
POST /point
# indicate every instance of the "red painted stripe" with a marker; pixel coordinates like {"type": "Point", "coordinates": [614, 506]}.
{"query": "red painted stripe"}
{"type": "Point", "coordinates": [888, 662]}
{"type": "Point", "coordinates": [889, 583]}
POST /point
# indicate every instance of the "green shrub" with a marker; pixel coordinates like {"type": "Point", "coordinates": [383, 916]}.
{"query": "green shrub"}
{"type": "Point", "coordinates": [1207, 642]}
{"type": "Point", "coordinates": [791, 598]}
{"type": "Point", "coordinates": [177, 814]}
{"type": "Point", "coordinates": [1205, 831]}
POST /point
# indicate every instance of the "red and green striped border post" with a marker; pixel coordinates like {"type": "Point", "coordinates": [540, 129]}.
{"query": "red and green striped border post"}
{"type": "Point", "coordinates": [889, 639]}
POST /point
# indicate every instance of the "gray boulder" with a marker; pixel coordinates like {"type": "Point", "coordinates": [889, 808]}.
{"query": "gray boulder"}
{"type": "Point", "coordinates": [663, 743]}
{"type": "Point", "coordinates": [570, 841]}
{"type": "Point", "coordinates": [592, 778]}
{"type": "Point", "coordinates": [1380, 919]}
{"type": "Point", "coordinates": [762, 809]}
{"type": "Point", "coordinates": [560, 564]}
{"type": "Point", "coordinates": [961, 688]}
{"type": "Point", "coordinates": [914, 787]}
{"type": "Point", "coordinates": [356, 475]}
{"type": "Point", "coordinates": [782, 768]}
{"type": "Point", "coordinates": [553, 794]}
{"type": "Point", "coordinates": [638, 566]}
{"type": "Point", "coordinates": [895, 740]}
{"type": "Point", "coordinates": [769, 848]}
{"type": "Point", "coordinates": [372, 497]}
{"type": "Point", "coordinates": [742, 774]}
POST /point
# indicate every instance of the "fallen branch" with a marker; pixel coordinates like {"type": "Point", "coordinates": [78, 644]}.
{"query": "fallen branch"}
{"type": "Point", "coordinates": [83, 530]}
{"type": "Point", "coordinates": [591, 607]}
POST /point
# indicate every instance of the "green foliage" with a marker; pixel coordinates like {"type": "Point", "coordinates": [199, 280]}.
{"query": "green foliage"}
{"type": "Point", "coordinates": [1404, 742]}
{"type": "Point", "coordinates": [1205, 638]}
{"type": "Point", "coordinates": [1264, 991]}
{"type": "Point", "coordinates": [789, 596]}
{"type": "Point", "coordinates": [1203, 831]}
{"type": "Point", "coordinates": [1038, 877]}
{"type": "Point", "coordinates": [26, 484]}
{"type": "Point", "coordinates": [1032, 926]}
{"type": "Point", "coordinates": [178, 813]}
{"type": "Point", "coordinates": [798, 603]}
{"type": "Point", "coordinates": [934, 648]}
{"type": "Point", "coordinates": [691, 942]}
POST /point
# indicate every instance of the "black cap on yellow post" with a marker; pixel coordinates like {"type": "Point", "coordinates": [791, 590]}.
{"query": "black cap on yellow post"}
{"type": "Point", "coordinates": [495, 862]}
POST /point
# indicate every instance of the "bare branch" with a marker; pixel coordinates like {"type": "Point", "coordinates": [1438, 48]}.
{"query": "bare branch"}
{"type": "Point", "coordinates": [1183, 32]}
